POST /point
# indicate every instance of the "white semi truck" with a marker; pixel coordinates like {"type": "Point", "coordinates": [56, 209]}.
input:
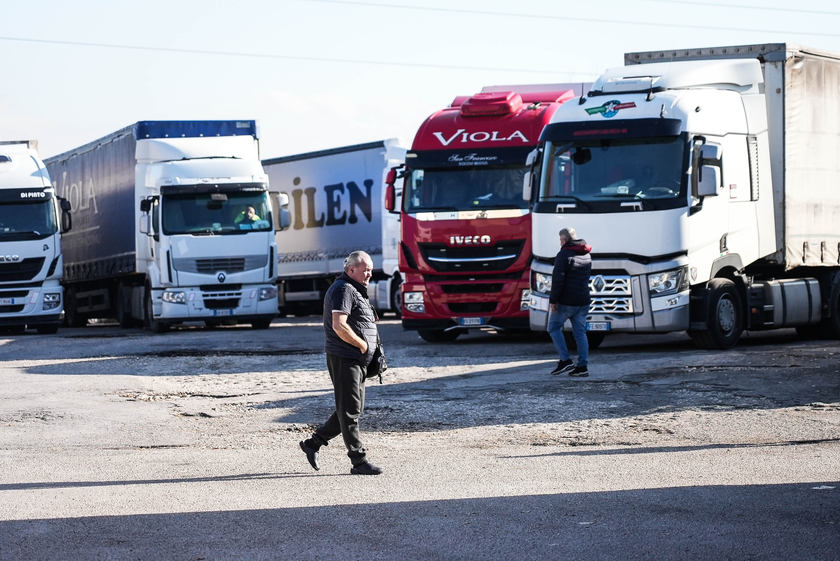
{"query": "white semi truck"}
{"type": "Point", "coordinates": [707, 182]}
{"type": "Point", "coordinates": [337, 206]}
{"type": "Point", "coordinates": [174, 223]}
{"type": "Point", "coordinates": [32, 219]}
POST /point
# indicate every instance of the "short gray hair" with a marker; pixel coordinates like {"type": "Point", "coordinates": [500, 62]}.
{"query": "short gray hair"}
{"type": "Point", "coordinates": [568, 233]}
{"type": "Point", "coordinates": [355, 259]}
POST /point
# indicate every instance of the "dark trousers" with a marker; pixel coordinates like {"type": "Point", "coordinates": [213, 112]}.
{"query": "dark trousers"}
{"type": "Point", "coordinates": [348, 379]}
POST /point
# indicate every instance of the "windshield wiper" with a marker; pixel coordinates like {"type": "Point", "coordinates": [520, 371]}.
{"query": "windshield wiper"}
{"type": "Point", "coordinates": [436, 209]}
{"type": "Point", "coordinates": [576, 199]}
{"type": "Point", "coordinates": [635, 197]}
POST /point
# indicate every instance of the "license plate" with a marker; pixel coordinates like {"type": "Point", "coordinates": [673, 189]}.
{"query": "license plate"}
{"type": "Point", "coordinates": [222, 312]}
{"type": "Point", "coordinates": [472, 321]}
{"type": "Point", "coordinates": [7, 301]}
{"type": "Point", "coordinates": [598, 326]}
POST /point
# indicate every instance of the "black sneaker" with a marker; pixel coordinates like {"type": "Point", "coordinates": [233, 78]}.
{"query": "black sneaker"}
{"type": "Point", "coordinates": [365, 468]}
{"type": "Point", "coordinates": [579, 371]}
{"type": "Point", "coordinates": [563, 366]}
{"type": "Point", "coordinates": [311, 455]}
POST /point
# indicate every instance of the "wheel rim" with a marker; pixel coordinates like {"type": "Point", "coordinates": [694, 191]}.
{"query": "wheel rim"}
{"type": "Point", "coordinates": [726, 314]}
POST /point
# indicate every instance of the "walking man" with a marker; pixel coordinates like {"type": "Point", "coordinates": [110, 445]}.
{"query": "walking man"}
{"type": "Point", "coordinates": [351, 336]}
{"type": "Point", "coordinates": [570, 299]}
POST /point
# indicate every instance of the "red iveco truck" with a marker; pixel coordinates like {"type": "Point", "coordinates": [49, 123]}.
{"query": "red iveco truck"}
{"type": "Point", "coordinates": [465, 246]}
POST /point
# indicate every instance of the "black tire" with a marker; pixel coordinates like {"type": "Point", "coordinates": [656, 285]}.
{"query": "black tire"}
{"type": "Point", "coordinates": [261, 324]}
{"type": "Point", "coordinates": [72, 318]}
{"type": "Point", "coordinates": [594, 338]}
{"type": "Point", "coordinates": [830, 326]}
{"type": "Point", "coordinates": [153, 325]}
{"type": "Point", "coordinates": [47, 329]}
{"type": "Point", "coordinates": [439, 335]}
{"type": "Point", "coordinates": [123, 307]}
{"type": "Point", "coordinates": [396, 296]}
{"type": "Point", "coordinates": [725, 317]}
{"type": "Point", "coordinates": [211, 324]}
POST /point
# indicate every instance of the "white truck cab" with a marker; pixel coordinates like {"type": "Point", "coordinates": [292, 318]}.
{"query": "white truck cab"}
{"type": "Point", "coordinates": [32, 218]}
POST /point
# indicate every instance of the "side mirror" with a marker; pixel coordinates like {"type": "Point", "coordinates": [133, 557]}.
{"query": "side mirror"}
{"type": "Point", "coordinates": [390, 196]}
{"type": "Point", "coordinates": [526, 186]}
{"type": "Point", "coordinates": [708, 181]}
{"type": "Point", "coordinates": [282, 216]}
{"type": "Point", "coordinates": [146, 205]}
{"type": "Point", "coordinates": [391, 176]}
{"type": "Point", "coordinates": [532, 157]}
{"type": "Point", "coordinates": [65, 205]}
{"type": "Point", "coordinates": [66, 220]}
{"type": "Point", "coordinates": [145, 223]}
{"type": "Point", "coordinates": [706, 175]}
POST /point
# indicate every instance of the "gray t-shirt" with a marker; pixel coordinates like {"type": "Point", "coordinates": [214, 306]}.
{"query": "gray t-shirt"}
{"type": "Point", "coordinates": [343, 297]}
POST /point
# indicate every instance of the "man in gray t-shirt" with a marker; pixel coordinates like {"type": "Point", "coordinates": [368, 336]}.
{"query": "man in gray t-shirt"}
{"type": "Point", "coordinates": [351, 336]}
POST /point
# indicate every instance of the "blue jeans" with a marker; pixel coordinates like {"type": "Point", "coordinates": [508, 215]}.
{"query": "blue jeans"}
{"type": "Point", "coordinates": [577, 315]}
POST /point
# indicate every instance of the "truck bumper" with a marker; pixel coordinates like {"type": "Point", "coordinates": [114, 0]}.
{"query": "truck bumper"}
{"type": "Point", "coordinates": [239, 304]}
{"type": "Point", "coordinates": [664, 314]}
{"type": "Point", "coordinates": [465, 303]}
{"type": "Point", "coordinates": [517, 323]}
{"type": "Point", "coordinates": [31, 305]}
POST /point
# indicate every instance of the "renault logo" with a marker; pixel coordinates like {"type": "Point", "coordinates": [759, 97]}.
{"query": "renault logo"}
{"type": "Point", "coordinates": [221, 277]}
{"type": "Point", "coordinates": [598, 283]}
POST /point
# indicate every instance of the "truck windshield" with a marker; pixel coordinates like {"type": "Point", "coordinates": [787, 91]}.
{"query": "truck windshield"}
{"type": "Point", "coordinates": [215, 213]}
{"type": "Point", "coordinates": [464, 189]}
{"type": "Point", "coordinates": [616, 170]}
{"type": "Point", "coordinates": [33, 220]}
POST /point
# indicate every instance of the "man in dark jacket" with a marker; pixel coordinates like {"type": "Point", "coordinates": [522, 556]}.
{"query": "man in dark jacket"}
{"type": "Point", "coordinates": [351, 337]}
{"type": "Point", "coordinates": [569, 300]}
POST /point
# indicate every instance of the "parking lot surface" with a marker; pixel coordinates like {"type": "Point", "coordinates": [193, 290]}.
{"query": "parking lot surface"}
{"type": "Point", "coordinates": [121, 444]}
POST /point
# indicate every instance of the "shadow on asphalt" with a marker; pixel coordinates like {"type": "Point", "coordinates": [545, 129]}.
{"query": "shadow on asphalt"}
{"type": "Point", "coordinates": [796, 521]}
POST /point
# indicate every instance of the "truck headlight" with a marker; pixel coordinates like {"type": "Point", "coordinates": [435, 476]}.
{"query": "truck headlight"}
{"type": "Point", "coordinates": [52, 301]}
{"type": "Point", "coordinates": [542, 283]}
{"type": "Point", "coordinates": [268, 293]}
{"type": "Point", "coordinates": [174, 297]}
{"type": "Point", "coordinates": [668, 282]}
{"type": "Point", "coordinates": [414, 302]}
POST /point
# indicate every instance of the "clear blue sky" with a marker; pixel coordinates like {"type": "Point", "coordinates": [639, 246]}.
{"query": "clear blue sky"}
{"type": "Point", "coordinates": [319, 74]}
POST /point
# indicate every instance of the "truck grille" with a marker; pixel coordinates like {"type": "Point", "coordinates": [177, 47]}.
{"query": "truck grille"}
{"type": "Point", "coordinates": [228, 265]}
{"type": "Point", "coordinates": [473, 307]}
{"type": "Point", "coordinates": [610, 294]}
{"type": "Point", "coordinates": [472, 288]}
{"type": "Point", "coordinates": [498, 257]}
{"type": "Point", "coordinates": [24, 270]}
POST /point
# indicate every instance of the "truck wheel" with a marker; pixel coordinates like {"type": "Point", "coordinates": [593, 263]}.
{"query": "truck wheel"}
{"type": "Point", "coordinates": [124, 317]}
{"type": "Point", "coordinates": [48, 329]}
{"type": "Point", "coordinates": [725, 317]}
{"type": "Point", "coordinates": [594, 338]}
{"type": "Point", "coordinates": [261, 324]}
{"type": "Point", "coordinates": [71, 315]}
{"type": "Point", "coordinates": [155, 326]}
{"type": "Point", "coordinates": [831, 325]}
{"type": "Point", "coordinates": [439, 335]}
{"type": "Point", "coordinates": [396, 296]}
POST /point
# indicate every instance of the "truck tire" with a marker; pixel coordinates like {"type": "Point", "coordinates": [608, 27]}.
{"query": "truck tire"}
{"type": "Point", "coordinates": [47, 329]}
{"type": "Point", "coordinates": [153, 325]}
{"type": "Point", "coordinates": [123, 307]}
{"type": "Point", "coordinates": [830, 326]}
{"type": "Point", "coordinates": [725, 317]}
{"type": "Point", "coordinates": [72, 318]}
{"type": "Point", "coordinates": [594, 338]}
{"type": "Point", "coordinates": [439, 335]}
{"type": "Point", "coordinates": [260, 324]}
{"type": "Point", "coordinates": [396, 296]}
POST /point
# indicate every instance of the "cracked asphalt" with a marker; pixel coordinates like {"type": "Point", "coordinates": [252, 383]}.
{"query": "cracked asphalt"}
{"type": "Point", "coordinates": [120, 444]}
